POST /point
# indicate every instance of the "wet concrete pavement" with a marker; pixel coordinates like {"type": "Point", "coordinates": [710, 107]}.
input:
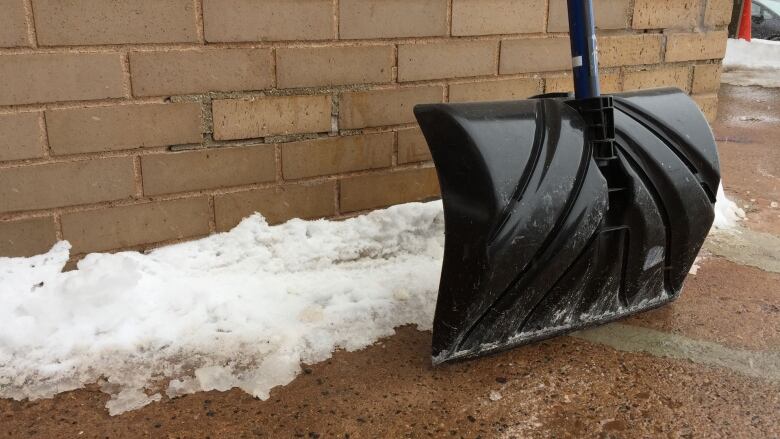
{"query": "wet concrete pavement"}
{"type": "Point", "coordinates": [707, 365]}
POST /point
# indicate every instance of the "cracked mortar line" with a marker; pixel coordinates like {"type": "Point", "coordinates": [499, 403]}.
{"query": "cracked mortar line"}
{"type": "Point", "coordinates": [29, 18]}
{"type": "Point", "coordinates": [200, 28]}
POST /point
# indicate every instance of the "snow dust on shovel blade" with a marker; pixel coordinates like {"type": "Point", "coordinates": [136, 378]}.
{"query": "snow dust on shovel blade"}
{"type": "Point", "coordinates": [540, 238]}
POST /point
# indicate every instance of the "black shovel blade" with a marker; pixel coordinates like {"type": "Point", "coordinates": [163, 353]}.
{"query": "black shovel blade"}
{"type": "Point", "coordinates": [540, 238]}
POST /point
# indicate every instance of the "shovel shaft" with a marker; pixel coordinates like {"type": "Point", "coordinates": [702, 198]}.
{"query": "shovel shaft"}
{"type": "Point", "coordinates": [585, 63]}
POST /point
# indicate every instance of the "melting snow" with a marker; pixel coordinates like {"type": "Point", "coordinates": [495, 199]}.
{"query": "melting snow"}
{"type": "Point", "coordinates": [238, 309]}
{"type": "Point", "coordinates": [756, 54]}
{"type": "Point", "coordinates": [752, 63]}
{"type": "Point", "coordinates": [727, 213]}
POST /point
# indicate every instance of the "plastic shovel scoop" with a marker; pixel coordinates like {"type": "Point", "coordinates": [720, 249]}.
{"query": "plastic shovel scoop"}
{"type": "Point", "coordinates": [562, 213]}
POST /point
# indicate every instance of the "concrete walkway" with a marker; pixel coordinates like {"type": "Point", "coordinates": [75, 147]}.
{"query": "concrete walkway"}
{"type": "Point", "coordinates": [706, 366]}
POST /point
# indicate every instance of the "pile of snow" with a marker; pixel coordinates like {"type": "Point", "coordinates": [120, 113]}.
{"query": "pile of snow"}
{"type": "Point", "coordinates": [752, 55]}
{"type": "Point", "coordinates": [238, 309]}
{"type": "Point", "coordinates": [752, 63]}
{"type": "Point", "coordinates": [727, 213]}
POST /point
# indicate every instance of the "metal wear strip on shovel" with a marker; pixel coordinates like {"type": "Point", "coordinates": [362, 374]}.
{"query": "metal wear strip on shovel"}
{"type": "Point", "coordinates": [562, 213]}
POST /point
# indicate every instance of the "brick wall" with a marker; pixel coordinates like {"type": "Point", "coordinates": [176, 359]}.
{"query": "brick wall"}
{"type": "Point", "coordinates": [127, 124]}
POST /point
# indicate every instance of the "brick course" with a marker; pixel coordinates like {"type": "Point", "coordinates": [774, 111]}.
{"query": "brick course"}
{"type": "Point", "coordinates": [55, 77]}
{"type": "Point", "coordinates": [245, 119]}
{"type": "Point", "coordinates": [209, 168]}
{"type": "Point", "coordinates": [504, 89]}
{"type": "Point", "coordinates": [276, 204]}
{"type": "Point", "coordinates": [453, 59]}
{"type": "Point", "coordinates": [609, 14]}
{"type": "Point", "coordinates": [695, 46]}
{"type": "Point", "coordinates": [117, 127]}
{"type": "Point", "coordinates": [252, 20]}
{"type": "Point", "coordinates": [27, 237]}
{"type": "Point", "coordinates": [13, 26]}
{"type": "Point", "coordinates": [337, 155]}
{"type": "Point", "coordinates": [21, 136]}
{"type": "Point", "coordinates": [654, 78]}
{"type": "Point", "coordinates": [535, 55]}
{"type": "Point", "coordinates": [706, 78]}
{"type": "Point", "coordinates": [718, 12]}
{"type": "Point", "coordinates": [131, 226]}
{"type": "Point", "coordinates": [311, 67]}
{"type": "Point", "coordinates": [412, 146]}
{"type": "Point", "coordinates": [629, 50]}
{"type": "Point", "coordinates": [489, 17]}
{"type": "Point", "coordinates": [380, 190]}
{"type": "Point", "coordinates": [384, 107]}
{"type": "Point", "coordinates": [659, 14]}
{"type": "Point", "coordinates": [66, 184]}
{"type": "Point", "coordinates": [129, 123]}
{"type": "Point", "coordinates": [200, 71]}
{"type": "Point", "coordinates": [86, 22]}
{"type": "Point", "coordinates": [392, 18]}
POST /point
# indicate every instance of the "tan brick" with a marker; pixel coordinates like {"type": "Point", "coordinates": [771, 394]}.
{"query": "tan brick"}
{"type": "Point", "coordinates": [27, 237]}
{"type": "Point", "coordinates": [412, 146]}
{"type": "Point", "coordinates": [269, 116]}
{"type": "Point", "coordinates": [718, 12]}
{"type": "Point", "coordinates": [392, 18]}
{"type": "Point", "coordinates": [200, 71]}
{"type": "Point", "coordinates": [316, 66]}
{"type": "Point", "coordinates": [252, 20]}
{"type": "Point", "coordinates": [661, 14]}
{"type": "Point", "coordinates": [384, 107]}
{"type": "Point", "coordinates": [207, 169]}
{"type": "Point", "coordinates": [54, 77]}
{"type": "Point", "coordinates": [695, 46]}
{"type": "Point", "coordinates": [488, 17]}
{"type": "Point", "coordinates": [610, 14]}
{"type": "Point", "coordinates": [535, 55]}
{"type": "Point", "coordinates": [706, 78]}
{"type": "Point", "coordinates": [21, 136]}
{"type": "Point", "coordinates": [66, 184]}
{"type": "Point", "coordinates": [13, 27]}
{"type": "Point", "coordinates": [276, 204]}
{"type": "Point", "coordinates": [337, 155]}
{"type": "Point", "coordinates": [129, 226]}
{"type": "Point", "coordinates": [609, 81]}
{"type": "Point", "coordinates": [451, 59]}
{"type": "Point", "coordinates": [626, 50]}
{"type": "Point", "coordinates": [83, 22]}
{"type": "Point", "coordinates": [708, 104]}
{"type": "Point", "coordinates": [381, 190]}
{"type": "Point", "coordinates": [676, 76]}
{"type": "Point", "coordinates": [504, 89]}
{"type": "Point", "coordinates": [116, 127]}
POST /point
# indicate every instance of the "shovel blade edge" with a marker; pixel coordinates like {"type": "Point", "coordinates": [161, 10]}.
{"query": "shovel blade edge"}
{"type": "Point", "coordinates": [540, 239]}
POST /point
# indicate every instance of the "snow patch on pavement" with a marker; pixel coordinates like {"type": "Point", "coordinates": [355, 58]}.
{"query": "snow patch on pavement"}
{"type": "Point", "coordinates": [752, 63]}
{"type": "Point", "coordinates": [238, 309]}
{"type": "Point", "coordinates": [727, 213]}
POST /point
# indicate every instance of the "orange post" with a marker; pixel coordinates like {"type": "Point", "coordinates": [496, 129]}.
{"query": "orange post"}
{"type": "Point", "coordinates": [745, 21]}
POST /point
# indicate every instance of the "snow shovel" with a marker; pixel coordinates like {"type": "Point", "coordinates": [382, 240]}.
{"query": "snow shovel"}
{"type": "Point", "coordinates": [565, 212]}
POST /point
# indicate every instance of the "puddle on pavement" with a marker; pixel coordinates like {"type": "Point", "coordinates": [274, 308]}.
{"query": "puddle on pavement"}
{"type": "Point", "coordinates": [746, 247]}
{"type": "Point", "coordinates": [765, 78]}
{"type": "Point", "coordinates": [629, 338]}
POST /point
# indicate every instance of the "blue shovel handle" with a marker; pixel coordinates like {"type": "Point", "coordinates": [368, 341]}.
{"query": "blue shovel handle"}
{"type": "Point", "coordinates": [585, 61]}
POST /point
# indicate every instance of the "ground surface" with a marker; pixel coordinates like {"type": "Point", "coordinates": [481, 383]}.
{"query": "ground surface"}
{"type": "Point", "coordinates": [706, 366]}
